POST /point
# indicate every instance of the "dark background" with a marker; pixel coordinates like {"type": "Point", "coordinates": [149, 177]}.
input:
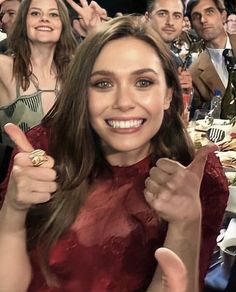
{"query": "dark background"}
{"type": "Point", "coordinates": [139, 6]}
{"type": "Point", "coordinates": [231, 6]}
{"type": "Point", "coordinates": [124, 6]}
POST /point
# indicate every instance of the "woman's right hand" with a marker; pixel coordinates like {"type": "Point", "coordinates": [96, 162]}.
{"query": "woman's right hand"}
{"type": "Point", "coordinates": [28, 185]}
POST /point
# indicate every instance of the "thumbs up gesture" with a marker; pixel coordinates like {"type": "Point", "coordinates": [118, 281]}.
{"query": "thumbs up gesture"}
{"type": "Point", "coordinates": [28, 185]}
{"type": "Point", "coordinates": [173, 190]}
{"type": "Point", "coordinates": [174, 271]}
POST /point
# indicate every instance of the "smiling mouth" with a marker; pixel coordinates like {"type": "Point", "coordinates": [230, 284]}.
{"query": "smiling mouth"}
{"type": "Point", "coordinates": [125, 124]}
{"type": "Point", "coordinates": [44, 28]}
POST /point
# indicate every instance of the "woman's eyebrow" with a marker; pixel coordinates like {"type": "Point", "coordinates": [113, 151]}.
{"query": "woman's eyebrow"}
{"type": "Point", "coordinates": [37, 8]}
{"type": "Point", "coordinates": [136, 72]}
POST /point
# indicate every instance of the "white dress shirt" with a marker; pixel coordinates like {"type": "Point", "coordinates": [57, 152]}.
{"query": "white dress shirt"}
{"type": "Point", "coordinates": [219, 62]}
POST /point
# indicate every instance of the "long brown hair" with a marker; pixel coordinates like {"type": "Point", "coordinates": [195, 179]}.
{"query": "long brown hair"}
{"type": "Point", "coordinates": [75, 146]}
{"type": "Point", "coordinates": [20, 49]}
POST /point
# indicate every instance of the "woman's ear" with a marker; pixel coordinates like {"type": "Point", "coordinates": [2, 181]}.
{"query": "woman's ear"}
{"type": "Point", "coordinates": [168, 98]}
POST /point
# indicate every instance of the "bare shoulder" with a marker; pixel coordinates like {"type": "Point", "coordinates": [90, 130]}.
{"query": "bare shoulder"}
{"type": "Point", "coordinates": [7, 83]}
{"type": "Point", "coordinates": [6, 63]}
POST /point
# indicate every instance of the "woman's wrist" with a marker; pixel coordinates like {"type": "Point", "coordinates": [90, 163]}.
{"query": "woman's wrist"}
{"type": "Point", "coordinates": [12, 220]}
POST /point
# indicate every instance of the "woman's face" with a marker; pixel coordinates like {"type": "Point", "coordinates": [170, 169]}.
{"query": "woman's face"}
{"type": "Point", "coordinates": [43, 22]}
{"type": "Point", "coordinates": [127, 98]}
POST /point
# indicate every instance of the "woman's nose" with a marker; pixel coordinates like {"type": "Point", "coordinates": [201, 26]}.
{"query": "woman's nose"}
{"type": "Point", "coordinates": [44, 17]}
{"type": "Point", "coordinates": [124, 98]}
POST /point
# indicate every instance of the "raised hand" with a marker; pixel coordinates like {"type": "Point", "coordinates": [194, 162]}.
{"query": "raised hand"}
{"type": "Point", "coordinates": [28, 184]}
{"type": "Point", "coordinates": [174, 277]}
{"type": "Point", "coordinates": [89, 16]}
{"type": "Point", "coordinates": [173, 190]}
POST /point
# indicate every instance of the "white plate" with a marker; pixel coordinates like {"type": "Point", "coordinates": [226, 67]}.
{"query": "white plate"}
{"type": "Point", "coordinates": [226, 155]}
{"type": "Point", "coordinates": [204, 125]}
{"type": "Point", "coordinates": [230, 175]}
{"type": "Point", "coordinates": [225, 158]}
{"type": "Point", "coordinates": [221, 122]}
{"type": "Point", "coordinates": [231, 204]}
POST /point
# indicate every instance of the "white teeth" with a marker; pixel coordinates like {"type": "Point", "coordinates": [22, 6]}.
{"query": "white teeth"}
{"type": "Point", "coordinates": [44, 28]}
{"type": "Point", "coordinates": [125, 124]}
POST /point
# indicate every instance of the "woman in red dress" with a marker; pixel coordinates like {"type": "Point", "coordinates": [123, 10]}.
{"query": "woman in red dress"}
{"type": "Point", "coordinates": [120, 178]}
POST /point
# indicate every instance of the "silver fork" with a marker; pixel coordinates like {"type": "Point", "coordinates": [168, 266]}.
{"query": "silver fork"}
{"type": "Point", "coordinates": [215, 135]}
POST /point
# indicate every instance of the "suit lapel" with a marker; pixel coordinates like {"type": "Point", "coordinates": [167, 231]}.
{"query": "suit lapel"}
{"type": "Point", "coordinates": [208, 74]}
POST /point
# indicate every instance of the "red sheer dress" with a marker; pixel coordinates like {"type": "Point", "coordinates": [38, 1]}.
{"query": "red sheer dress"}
{"type": "Point", "coordinates": [111, 244]}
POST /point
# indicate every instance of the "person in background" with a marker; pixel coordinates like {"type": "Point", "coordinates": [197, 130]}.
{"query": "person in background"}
{"type": "Point", "coordinates": [187, 23]}
{"type": "Point", "coordinates": [8, 13]}
{"type": "Point", "coordinates": [191, 33]}
{"type": "Point", "coordinates": [231, 23]}
{"type": "Point", "coordinates": [41, 45]}
{"type": "Point", "coordinates": [125, 181]}
{"type": "Point", "coordinates": [166, 17]}
{"type": "Point", "coordinates": [209, 70]}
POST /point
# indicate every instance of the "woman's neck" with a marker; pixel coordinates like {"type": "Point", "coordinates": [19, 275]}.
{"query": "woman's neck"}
{"type": "Point", "coordinates": [127, 158]}
{"type": "Point", "coordinates": [42, 60]}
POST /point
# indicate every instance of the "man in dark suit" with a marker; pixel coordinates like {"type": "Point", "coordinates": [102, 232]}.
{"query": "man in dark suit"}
{"type": "Point", "coordinates": [209, 71]}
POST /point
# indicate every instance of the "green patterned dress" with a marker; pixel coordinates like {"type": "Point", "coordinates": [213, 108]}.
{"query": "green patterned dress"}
{"type": "Point", "coordinates": [26, 111]}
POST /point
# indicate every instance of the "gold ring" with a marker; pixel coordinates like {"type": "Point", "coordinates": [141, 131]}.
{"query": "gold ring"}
{"type": "Point", "coordinates": [38, 157]}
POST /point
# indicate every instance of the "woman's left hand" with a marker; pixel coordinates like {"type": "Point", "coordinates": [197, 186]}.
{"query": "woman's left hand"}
{"type": "Point", "coordinates": [173, 190]}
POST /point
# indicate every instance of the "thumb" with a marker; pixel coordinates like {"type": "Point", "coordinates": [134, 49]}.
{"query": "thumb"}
{"type": "Point", "coordinates": [173, 269]}
{"type": "Point", "coordinates": [198, 164]}
{"type": "Point", "coordinates": [18, 137]}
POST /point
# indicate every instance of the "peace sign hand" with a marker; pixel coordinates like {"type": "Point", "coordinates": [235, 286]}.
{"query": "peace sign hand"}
{"type": "Point", "coordinates": [89, 16]}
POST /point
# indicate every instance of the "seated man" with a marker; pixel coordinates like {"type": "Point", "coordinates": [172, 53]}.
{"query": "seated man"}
{"type": "Point", "coordinates": [209, 70]}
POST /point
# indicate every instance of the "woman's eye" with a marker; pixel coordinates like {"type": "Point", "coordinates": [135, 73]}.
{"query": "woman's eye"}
{"type": "Point", "coordinates": [144, 83]}
{"type": "Point", "coordinates": [102, 84]}
{"type": "Point", "coordinates": [34, 13]}
{"type": "Point", "coordinates": [54, 14]}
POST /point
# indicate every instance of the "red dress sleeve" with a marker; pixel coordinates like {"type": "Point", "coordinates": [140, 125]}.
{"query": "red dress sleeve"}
{"type": "Point", "coordinates": [214, 196]}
